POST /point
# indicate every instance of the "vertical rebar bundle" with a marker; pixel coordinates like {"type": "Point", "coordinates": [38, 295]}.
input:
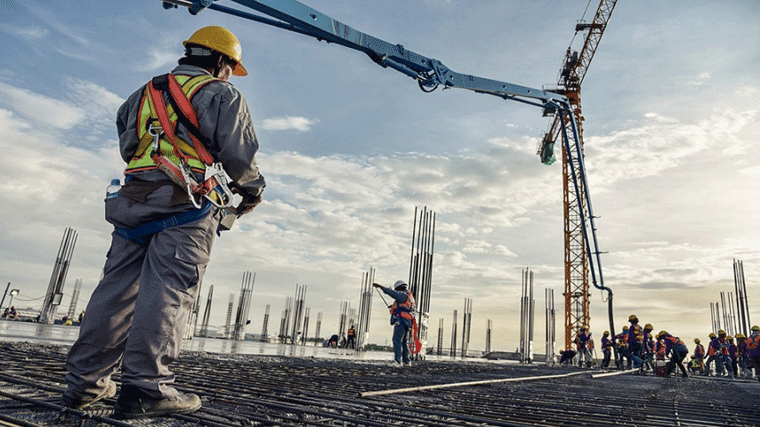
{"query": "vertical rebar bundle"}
{"type": "Point", "coordinates": [192, 319]}
{"type": "Point", "coordinates": [343, 318]}
{"type": "Point", "coordinates": [466, 323]}
{"type": "Point", "coordinates": [319, 325]}
{"type": "Point", "coordinates": [741, 298]}
{"type": "Point", "coordinates": [550, 326]}
{"type": "Point", "coordinates": [421, 268]}
{"type": "Point", "coordinates": [228, 322]}
{"type": "Point", "coordinates": [488, 336]}
{"type": "Point", "coordinates": [58, 277]}
{"type": "Point", "coordinates": [527, 307]}
{"type": "Point", "coordinates": [298, 312]}
{"type": "Point", "coordinates": [74, 299]}
{"type": "Point", "coordinates": [206, 313]}
{"type": "Point", "coordinates": [453, 349]}
{"type": "Point", "coordinates": [305, 335]}
{"type": "Point", "coordinates": [285, 322]}
{"type": "Point", "coordinates": [244, 305]}
{"type": "Point", "coordinates": [265, 325]}
{"type": "Point", "coordinates": [439, 349]}
{"type": "Point", "coordinates": [365, 309]}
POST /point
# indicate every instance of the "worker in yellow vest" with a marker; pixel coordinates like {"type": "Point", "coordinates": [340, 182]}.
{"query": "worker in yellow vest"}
{"type": "Point", "coordinates": [166, 216]}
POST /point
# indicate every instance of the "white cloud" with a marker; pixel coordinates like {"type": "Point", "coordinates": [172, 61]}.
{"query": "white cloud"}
{"type": "Point", "coordinates": [31, 32]}
{"type": "Point", "coordinates": [40, 108]}
{"type": "Point", "coordinates": [301, 124]}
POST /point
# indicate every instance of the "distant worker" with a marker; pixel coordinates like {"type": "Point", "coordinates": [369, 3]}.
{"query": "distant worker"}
{"type": "Point", "coordinates": [694, 366]}
{"type": "Point", "coordinates": [12, 314]}
{"type": "Point", "coordinates": [606, 349]}
{"type": "Point", "coordinates": [351, 341]}
{"type": "Point", "coordinates": [81, 316]}
{"type": "Point", "coordinates": [753, 350]}
{"type": "Point", "coordinates": [713, 347]}
{"type": "Point", "coordinates": [621, 341]}
{"type": "Point", "coordinates": [176, 134]}
{"type": "Point", "coordinates": [699, 355]}
{"type": "Point", "coordinates": [733, 355]}
{"type": "Point", "coordinates": [582, 346]}
{"type": "Point", "coordinates": [722, 354]}
{"type": "Point", "coordinates": [647, 348]}
{"type": "Point", "coordinates": [566, 356]}
{"type": "Point", "coordinates": [402, 316]}
{"type": "Point", "coordinates": [744, 366]}
{"type": "Point", "coordinates": [333, 341]}
{"type": "Point", "coordinates": [677, 350]}
{"type": "Point", "coordinates": [635, 340]}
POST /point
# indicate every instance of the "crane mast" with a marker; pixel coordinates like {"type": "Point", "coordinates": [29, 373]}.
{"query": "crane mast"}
{"type": "Point", "coordinates": [573, 71]}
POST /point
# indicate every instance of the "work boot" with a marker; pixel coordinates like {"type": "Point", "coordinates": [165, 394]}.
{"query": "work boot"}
{"type": "Point", "coordinates": [82, 402]}
{"type": "Point", "coordinates": [134, 403]}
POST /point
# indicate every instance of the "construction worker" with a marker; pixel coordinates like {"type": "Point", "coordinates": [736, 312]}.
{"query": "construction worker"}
{"type": "Point", "coordinates": [621, 340]}
{"type": "Point", "coordinates": [753, 350]}
{"type": "Point", "coordinates": [171, 131]}
{"type": "Point", "coordinates": [699, 355]}
{"type": "Point", "coordinates": [635, 340]}
{"type": "Point", "coordinates": [402, 316]}
{"type": "Point", "coordinates": [677, 350]}
{"type": "Point", "coordinates": [741, 345]}
{"type": "Point", "coordinates": [712, 349]}
{"type": "Point", "coordinates": [647, 348]}
{"type": "Point", "coordinates": [582, 342]}
{"type": "Point", "coordinates": [351, 340]}
{"type": "Point", "coordinates": [606, 349]}
{"type": "Point", "coordinates": [722, 355]}
{"type": "Point", "coordinates": [733, 354]}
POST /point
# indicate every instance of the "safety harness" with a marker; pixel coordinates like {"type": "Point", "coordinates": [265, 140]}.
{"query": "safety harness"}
{"type": "Point", "coordinates": [189, 159]}
{"type": "Point", "coordinates": [405, 309]}
{"type": "Point", "coordinates": [182, 174]}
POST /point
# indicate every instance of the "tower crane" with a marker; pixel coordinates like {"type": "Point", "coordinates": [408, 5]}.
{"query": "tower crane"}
{"type": "Point", "coordinates": [574, 68]}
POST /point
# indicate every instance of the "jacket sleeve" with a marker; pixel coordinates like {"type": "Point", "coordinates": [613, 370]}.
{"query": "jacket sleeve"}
{"type": "Point", "coordinates": [126, 125]}
{"type": "Point", "coordinates": [235, 143]}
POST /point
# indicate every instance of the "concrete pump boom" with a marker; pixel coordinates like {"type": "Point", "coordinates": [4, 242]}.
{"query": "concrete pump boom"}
{"type": "Point", "coordinates": [430, 73]}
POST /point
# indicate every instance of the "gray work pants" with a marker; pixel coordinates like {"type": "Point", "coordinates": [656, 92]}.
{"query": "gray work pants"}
{"type": "Point", "coordinates": [136, 316]}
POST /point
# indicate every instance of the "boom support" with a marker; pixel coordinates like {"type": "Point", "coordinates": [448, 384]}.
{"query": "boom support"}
{"type": "Point", "coordinates": [431, 73]}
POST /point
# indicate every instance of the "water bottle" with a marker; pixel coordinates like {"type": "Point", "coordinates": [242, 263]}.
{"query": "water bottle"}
{"type": "Point", "coordinates": [113, 189]}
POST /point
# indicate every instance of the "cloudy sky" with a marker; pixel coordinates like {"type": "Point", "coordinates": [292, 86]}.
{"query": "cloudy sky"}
{"type": "Point", "coordinates": [349, 150]}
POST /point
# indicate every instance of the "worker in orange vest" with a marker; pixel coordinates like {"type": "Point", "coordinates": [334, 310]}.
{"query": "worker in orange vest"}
{"type": "Point", "coordinates": [402, 316]}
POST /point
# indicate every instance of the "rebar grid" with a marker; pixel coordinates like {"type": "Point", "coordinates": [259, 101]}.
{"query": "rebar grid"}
{"type": "Point", "coordinates": [239, 390]}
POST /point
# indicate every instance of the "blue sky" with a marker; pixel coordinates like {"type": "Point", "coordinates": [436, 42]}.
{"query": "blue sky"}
{"type": "Point", "coordinates": [349, 149]}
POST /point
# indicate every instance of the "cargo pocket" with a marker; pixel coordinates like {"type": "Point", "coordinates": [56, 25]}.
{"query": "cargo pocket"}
{"type": "Point", "coordinates": [193, 261]}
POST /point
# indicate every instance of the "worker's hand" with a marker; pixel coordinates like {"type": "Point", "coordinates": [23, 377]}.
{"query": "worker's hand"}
{"type": "Point", "coordinates": [247, 204]}
{"type": "Point", "coordinates": [376, 285]}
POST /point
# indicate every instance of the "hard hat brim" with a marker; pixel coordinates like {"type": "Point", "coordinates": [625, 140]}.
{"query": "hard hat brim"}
{"type": "Point", "coordinates": [239, 70]}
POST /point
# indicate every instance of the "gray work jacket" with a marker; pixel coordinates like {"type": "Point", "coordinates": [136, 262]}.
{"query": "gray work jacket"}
{"type": "Point", "coordinates": [223, 118]}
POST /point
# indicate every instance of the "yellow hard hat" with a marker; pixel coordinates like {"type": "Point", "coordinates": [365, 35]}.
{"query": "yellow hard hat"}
{"type": "Point", "coordinates": [221, 40]}
{"type": "Point", "coordinates": [721, 332]}
{"type": "Point", "coordinates": [648, 327]}
{"type": "Point", "coordinates": [696, 340]}
{"type": "Point", "coordinates": [625, 328]}
{"type": "Point", "coordinates": [740, 335]}
{"type": "Point", "coordinates": [730, 338]}
{"type": "Point", "coordinates": [606, 333]}
{"type": "Point", "coordinates": [756, 328]}
{"type": "Point", "coordinates": [661, 334]}
{"type": "Point", "coordinates": [632, 317]}
{"type": "Point", "coordinates": [712, 335]}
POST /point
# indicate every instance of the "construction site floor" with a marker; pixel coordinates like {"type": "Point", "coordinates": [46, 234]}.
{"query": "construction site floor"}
{"type": "Point", "coordinates": [247, 390]}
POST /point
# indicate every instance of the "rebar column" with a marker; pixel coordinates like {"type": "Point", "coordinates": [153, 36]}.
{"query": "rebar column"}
{"type": "Point", "coordinates": [206, 313]}
{"type": "Point", "coordinates": [74, 299]}
{"type": "Point", "coordinates": [244, 305]}
{"type": "Point", "coordinates": [265, 324]}
{"type": "Point", "coordinates": [421, 268]}
{"type": "Point", "coordinates": [453, 348]}
{"type": "Point", "coordinates": [58, 277]}
{"type": "Point", "coordinates": [466, 322]}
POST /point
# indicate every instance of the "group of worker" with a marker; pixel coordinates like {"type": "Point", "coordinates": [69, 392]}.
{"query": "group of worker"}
{"type": "Point", "coordinates": [638, 348]}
